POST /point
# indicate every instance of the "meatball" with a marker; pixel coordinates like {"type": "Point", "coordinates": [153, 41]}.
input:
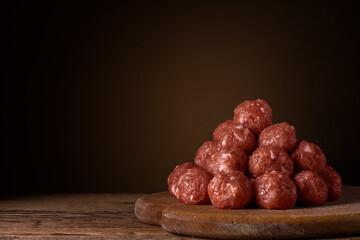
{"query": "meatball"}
{"type": "Point", "coordinates": [175, 175]}
{"type": "Point", "coordinates": [235, 136]}
{"type": "Point", "coordinates": [224, 125]}
{"type": "Point", "coordinates": [312, 189]}
{"type": "Point", "coordinates": [279, 135]}
{"type": "Point", "coordinates": [193, 185]}
{"type": "Point", "coordinates": [268, 158]}
{"type": "Point", "coordinates": [225, 160]}
{"type": "Point", "coordinates": [205, 151]}
{"type": "Point", "coordinates": [274, 190]}
{"type": "Point", "coordinates": [255, 115]}
{"type": "Point", "coordinates": [308, 156]}
{"type": "Point", "coordinates": [230, 190]}
{"type": "Point", "coordinates": [333, 183]}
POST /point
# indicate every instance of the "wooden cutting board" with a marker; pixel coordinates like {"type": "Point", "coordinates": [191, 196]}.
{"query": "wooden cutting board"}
{"type": "Point", "coordinates": [339, 218]}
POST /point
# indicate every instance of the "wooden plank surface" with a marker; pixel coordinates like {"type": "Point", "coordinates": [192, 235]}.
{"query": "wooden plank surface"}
{"type": "Point", "coordinates": [77, 216]}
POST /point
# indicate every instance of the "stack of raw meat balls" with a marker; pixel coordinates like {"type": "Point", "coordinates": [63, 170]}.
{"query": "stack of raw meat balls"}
{"type": "Point", "coordinates": [249, 159]}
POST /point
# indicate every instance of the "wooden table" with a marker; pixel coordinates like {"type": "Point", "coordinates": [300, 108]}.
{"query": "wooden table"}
{"type": "Point", "coordinates": [76, 216]}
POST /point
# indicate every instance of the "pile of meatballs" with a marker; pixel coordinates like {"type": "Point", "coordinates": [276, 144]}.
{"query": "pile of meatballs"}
{"type": "Point", "coordinates": [251, 160]}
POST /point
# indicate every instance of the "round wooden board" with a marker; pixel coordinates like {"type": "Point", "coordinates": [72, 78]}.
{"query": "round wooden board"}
{"type": "Point", "coordinates": [339, 218]}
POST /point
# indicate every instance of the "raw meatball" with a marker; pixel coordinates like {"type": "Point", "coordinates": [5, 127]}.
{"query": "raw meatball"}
{"type": "Point", "coordinates": [274, 190]}
{"type": "Point", "coordinates": [193, 186]}
{"type": "Point", "coordinates": [230, 190]}
{"type": "Point", "coordinates": [225, 160]}
{"type": "Point", "coordinates": [255, 115]}
{"type": "Point", "coordinates": [333, 183]}
{"type": "Point", "coordinates": [312, 189]}
{"type": "Point", "coordinates": [308, 156]}
{"type": "Point", "coordinates": [205, 151]}
{"type": "Point", "coordinates": [175, 175]}
{"type": "Point", "coordinates": [234, 136]}
{"type": "Point", "coordinates": [268, 158]}
{"type": "Point", "coordinates": [224, 125]}
{"type": "Point", "coordinates": [279, 135]}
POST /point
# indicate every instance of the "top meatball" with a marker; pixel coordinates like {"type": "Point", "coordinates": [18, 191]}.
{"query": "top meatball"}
{"type": "Point", "coordinates": [255, 115]}
{"type": "Point", "coordinates": [308, 156]}
{"type": "Point", "coordinates": [278, 135]}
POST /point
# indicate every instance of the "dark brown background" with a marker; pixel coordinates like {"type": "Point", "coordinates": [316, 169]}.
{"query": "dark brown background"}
{"type": "Point", "coordinates": [110, 97]}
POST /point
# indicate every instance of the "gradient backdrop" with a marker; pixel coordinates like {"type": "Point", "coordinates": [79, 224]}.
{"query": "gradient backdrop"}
{"type": "Point", "coordinates": [110, 97]}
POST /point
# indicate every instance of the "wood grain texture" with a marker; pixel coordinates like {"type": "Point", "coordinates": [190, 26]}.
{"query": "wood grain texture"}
{"type": "Point", "coordinates": [340, 218]}
{"type": "Point", "coordinates": [77, 216]}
